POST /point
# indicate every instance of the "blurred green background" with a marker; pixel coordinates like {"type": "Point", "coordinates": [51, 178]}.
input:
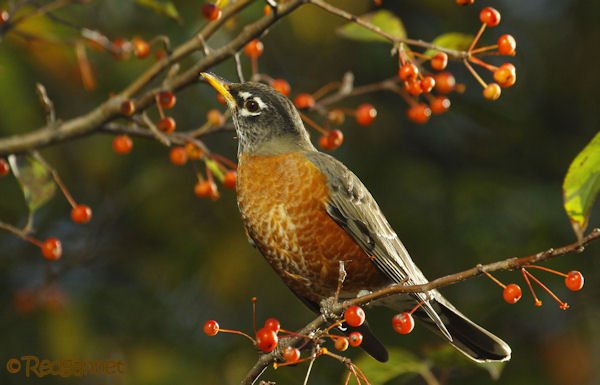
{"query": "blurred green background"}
{"type": "Point", "coordinates": [476, 185]}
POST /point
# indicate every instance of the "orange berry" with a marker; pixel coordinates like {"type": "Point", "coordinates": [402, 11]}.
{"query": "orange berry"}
{"type": "Point", "coordinates": [506, 75]}
{"type": "Point", "coordinates": [365, 114]}
{"type": "Point", "coordinates": [221, 99]}
{"type": "Point", "coordinates": [413, 87]}
{"type": "Point", "coordinates": [355, 339]}
{"type": "Point", "coordinates": [267, 10]}
{"type": "Point", "coordinates": [211, 328]}
{"type": "Point", "coordinates": [337, 116]}
{"type": "Point", "coordinates": [341, 344]}
{"type": "Point", "coordinates": [273, 324]}
{"type": "Point", "coordinates": [215, 118]}
{"type": "Point", "coordinates": [166, 99]}
{"type": "Point", "coordinates": [439, 105]}
{"type": "Point", "coordinates": [122, 144]}
{"type": "Point", "coordinates": [141, 48]}
{"type": "Point", "coordinates": [128, 108]}
{"type": "Point", "coordinates": [81, 214]}
{"type": "Point", "coordinates": [266, 340]}
{"type": "Point", "coordinates": [193, 152]}
{"type": "Point", "coordinates": [512, 293]}
{"type": "Point", "coordinates": [166, 125]}
{"type": "Point", "coordinates": [439, 61]}
{"type": "Point", "coordinates": [280, 84]}
{"type": "Point", "coordinates": [230, 179]}
{"type": "Point", "coordinates": [332, 140]}
{"type": "Point", "coordinates": [419, 113]}
{"type": "Point", "coordinates": [291, 354]}
{"type": "Point", "coordinates": [489, 16]}
{"type": "Point", "coordinates": [211, 11]}
{"type": "Point", "coordinates": [507, 44]}
{"type": "Point", "coordinates": [304, 101]}
{"type": "Point", "coordinates": [51, 249]}
{"type": "Point", "coordinates": [121, 48]}
{"type": "Point", "coordinates": [408, 71]}
{"type": "Point", "coordinates": [492, 91]}
{"type": "Point", "coordinates": [4, 167]}
{"type": "Point", "coordinates": [206, 189]}
{"type": "Point", "coordinates": [254, 48]}
{"type": "Point", "coordinates": [427, 83]}
{"type": "Point", "coordinates": [465, 2]}
{"type": "Point", "coordinates": [444, 82]}
{"type": "Point", "coordinates": [178, 156]}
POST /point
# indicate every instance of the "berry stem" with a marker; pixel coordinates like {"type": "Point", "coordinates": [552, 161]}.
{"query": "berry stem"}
{"type": "Point", "coordinates": [161, 112]}
{"type": "Point", "coordinates": [421, 303]}
{"type": "Point", "coordinates": [476, 39]}
{"type": "Point", "coordinates": [57, 180]}
{"type": "Point", "coordinates": [563, 305]}
{"type": "Point", "coordinates": [483, 64]}
{"type": "Point", "coordinates": [538, 303]}
{"type": "Point", "coordinates": [253, 314]}
{"type": "Point", "coordinates": [238, 333]}
{"type": "Point", "coordinates": [313, 124]}
{"type": "Point", "coordinates": [254, 64]}
{"type": "Point", "coordinates": [545, 269]}
{"type": "Point", "coordinates": [324, 90]}
{"type": "Point", "coordinates": [21, 233]}
{"type": "Point", "coordinates": [484, 49]}
{"type": "Point", "coordinates": [475, 74]}
{"type": "Point", "coordinates": [494, 279]}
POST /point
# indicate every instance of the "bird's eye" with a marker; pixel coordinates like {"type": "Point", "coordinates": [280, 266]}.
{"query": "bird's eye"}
{"type": "Point", "coordinates": [252, 105]}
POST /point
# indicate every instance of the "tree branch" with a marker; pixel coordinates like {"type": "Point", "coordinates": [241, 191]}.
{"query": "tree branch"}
{"type": "Point", "coordinates": [507, 264]}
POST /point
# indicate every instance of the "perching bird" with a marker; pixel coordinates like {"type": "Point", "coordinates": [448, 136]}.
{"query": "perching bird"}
{"type": "Point", "coordinates": [306, 212]}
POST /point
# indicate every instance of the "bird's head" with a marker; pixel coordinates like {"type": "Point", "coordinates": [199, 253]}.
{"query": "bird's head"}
{"type": "Point", "coordinates": [266, 122]}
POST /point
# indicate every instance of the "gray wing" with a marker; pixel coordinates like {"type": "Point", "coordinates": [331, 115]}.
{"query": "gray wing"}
{"type": "Point", "coordinates": [353, 207]}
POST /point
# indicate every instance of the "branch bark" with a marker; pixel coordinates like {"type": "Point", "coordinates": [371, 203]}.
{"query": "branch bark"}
{"type": "Point", "coordinates": [507, 264]}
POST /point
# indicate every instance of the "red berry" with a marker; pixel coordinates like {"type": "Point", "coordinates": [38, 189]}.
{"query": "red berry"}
{"type": "Point", "coordinates": [512, 293]}
{"type": "Point", "coordinates": [439, 105]}
{"type": "Point", "coordinates": [506, 75]}
{"type": "Point", "coordinates": [354, 316]}
{"type": "Point", "coordinates": [4, 167]}
{"type": "Point", "coordinates": [408, 71]}
{"type": "Point", "coordinates": [273, 324]}
{"type": "Point", "coordinates": [403, 323]}
{"type": "Point", "coordinates": [230, 179]}
{"type": "Point", "coordinates": [465, 2]}
{"type": "Point", "coordinates": [51, 249]}
{"type": "Point", "coordinates": [211, 11]}
{"type": "Point", "coordinates": [128, 108]}
{"type": "Point", "coordinates": [211, 328]}
{"type": "Point", "coordinates": [439, 61]}
{"type": "Point", "coordinates": [445, 82]}
{"type": "Point", "coordinates": [492, 91]}
{"type": "Point", "coordinates": [266, 340]}
{"type": "Point", "coordinates": [166, 124]}
{"type": "Point", "coordinates": [341, 343]}
{"type": "Point", "coordinates": [25, 301]}
{"type": "Point", "coordinates": [166, 99]}
{"type": "Point", "coordinates": [489, 16]}
{"type": "Point", "coordinates": [215, 118]}
{"type": "Point", "coordinates": [427, 83]}
{"type": "Point", "coordinates": [206, 189]}
{"type": "Point", "coordinates": [122, 144]}
{"type": "Point", "coordinates": [291, 354]}
{"type": "Point", "coordinates": [355, 339]}
{"type": "Point", "coordinates": [574, 281]}
{"type": "Point", "coordinates": [304, 101]}
{"type": "Point", "coordinates": [193, 151]}
{"type": "Point", "coordinates": [81, 214]}
{"type": "Point", "coordinates": [178, 156]}
{"type": "Point", "coordinates": [221, 99]}
{"type": "Point", "coordinates": [507, 44]}
{"type": "Point", "coordinates": [281, 85]}
{"type": "Point", "coordinates": [365, 114]}
{"type": "Point", "coordinates": [413, 87]}
{"type": "Point", "coordinates": [4, 16]}
{"type": "Point", "coordinates": [419, 113]}
{"type": "Point", "coordinates": [267, 10]}
{"type": "Point", "coordinates": [254, 48]}
{"type": "Point", "coordinates": [141, 48]}
{"type": "Point", "coordinates": [332, 140]}
{"type": "Point", "coordinates": [160, 54]}
{"type": "Point", "coordinates": [121, 48]}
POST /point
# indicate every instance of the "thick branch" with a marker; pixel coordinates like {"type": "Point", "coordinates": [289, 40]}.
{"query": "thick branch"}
{"type": "Point", "coordinates": [507, 264]}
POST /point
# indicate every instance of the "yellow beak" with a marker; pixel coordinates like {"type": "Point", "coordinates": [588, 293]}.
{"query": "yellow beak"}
{"type": "Point", "coordinates": [220, 86]}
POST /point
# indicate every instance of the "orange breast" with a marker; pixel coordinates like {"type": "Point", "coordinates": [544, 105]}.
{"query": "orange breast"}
{"type": "Point", "coordinates": [282, 200]}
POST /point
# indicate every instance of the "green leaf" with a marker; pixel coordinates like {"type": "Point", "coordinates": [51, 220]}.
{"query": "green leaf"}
{"type": "Point", "coordinates": [215, 169]}
{"type": "Point", "coordinates": [581, 186]}
{"type": "Point", "coordinates": [451, 40]}
{"type": "Point", "coordinates": [403, 361]}
{"type": "Point", "coordinates": [35, 180]}
{"type": "Point", "coordinates": [385, 20]}
{"type": "Point", "coordinates": [165, 8]}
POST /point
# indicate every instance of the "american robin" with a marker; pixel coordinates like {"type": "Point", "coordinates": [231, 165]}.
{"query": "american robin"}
{"type": "Point", "coordinates": [305, 212]}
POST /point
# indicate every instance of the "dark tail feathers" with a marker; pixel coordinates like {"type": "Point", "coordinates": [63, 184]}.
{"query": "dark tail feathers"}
{"type": "Point", "coordinates": [469, 338]}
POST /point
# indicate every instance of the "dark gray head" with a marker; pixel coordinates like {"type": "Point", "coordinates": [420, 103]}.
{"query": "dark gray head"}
{"type": "Point", "coordinates": [265, 120]}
